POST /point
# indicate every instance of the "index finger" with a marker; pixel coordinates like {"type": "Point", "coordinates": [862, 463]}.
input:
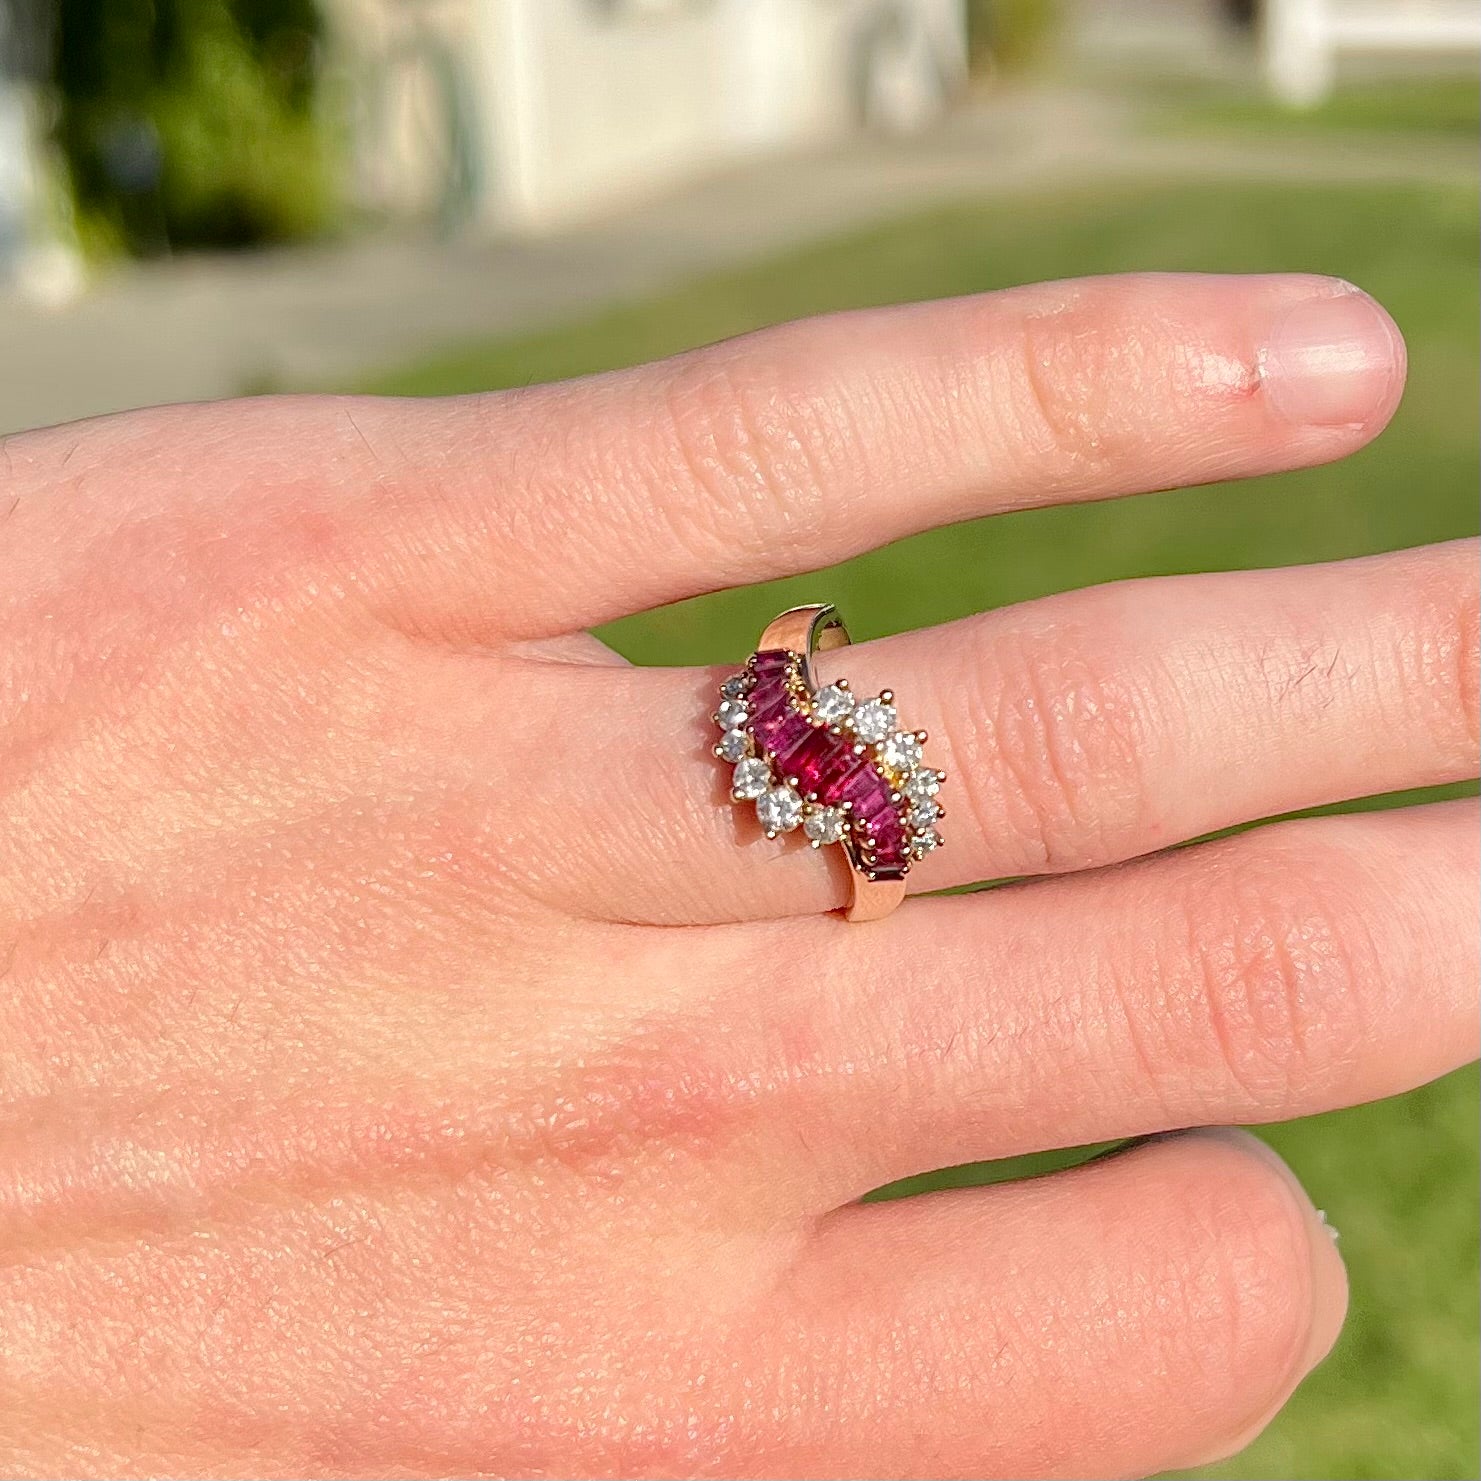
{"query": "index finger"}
{"type": "Point", "coordinates": [536, 512]}
{"type": "Point", "coordinates": [794, 447]}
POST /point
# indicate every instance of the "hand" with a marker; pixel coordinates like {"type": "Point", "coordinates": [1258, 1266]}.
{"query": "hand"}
{"type": "Point", "coordinates": [413, 1064]}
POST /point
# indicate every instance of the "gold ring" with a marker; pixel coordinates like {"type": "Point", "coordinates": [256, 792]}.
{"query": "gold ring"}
{"type": "Point", "coordinates": [827, 762]}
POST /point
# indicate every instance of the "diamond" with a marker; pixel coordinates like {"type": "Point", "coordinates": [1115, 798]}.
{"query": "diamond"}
{"type": "Point", "coordinates": [923, 815]}
{"type": "Point", "coordinates": [752, 778]}
{"type": "Point", "coordinates": [923, 843]}
{"type": "Point", "coordinates": [732, 714]}
{"type": "Point", "coordinates": [832, 704]}
{"type": "Point", "coordinates": [901, 752]}
{"type": "Point", "coordinates": [779, 809]}
{"type": "Point", "coordinates": [824, 824]}
{"type": "Point", "coordinates": [734, 744]}
{"type": "Point", "coordinates": [734, 687]}
{"type": "Point", "coordinates": [873, 720]}
{"type": "Point", "coordinates": [922, 785]}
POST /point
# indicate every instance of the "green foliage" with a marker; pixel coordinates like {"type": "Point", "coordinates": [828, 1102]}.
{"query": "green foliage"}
{"type": "Point", "coordinates": [1443, 106]}
{"type": "Point", "coordinates": [192, 123]}
{"type": "Point", "coordinates": [1399, 1179]}
{"type": "Point", "coordinates": [1011, 33]}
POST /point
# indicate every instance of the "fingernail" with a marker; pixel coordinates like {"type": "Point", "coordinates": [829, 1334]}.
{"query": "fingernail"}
{"type": "Point", "coordinates": [1334, 361]}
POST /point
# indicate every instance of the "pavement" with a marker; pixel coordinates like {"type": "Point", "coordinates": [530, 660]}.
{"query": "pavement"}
{"type": "Point", "coordinates": [327, 317]}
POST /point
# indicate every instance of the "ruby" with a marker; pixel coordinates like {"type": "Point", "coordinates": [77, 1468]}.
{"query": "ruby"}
{"type": "Point", "coordinates": [842, 763]}
{"type": "Point", "coordinates": [887, 834]}
{"type": "Point", "coordinates": [868, 791]}
{"type": "Point", "coordinates": [772, 661]}
{"type": "Point", "coordinates": [807, 759]}
{"type": "Point", "coordinates": [779, 729]}
{"type": "Point", "coordinates": [768, 700]}
{"type": "Point", "coordinates": [767, 694]}
{"type": "Point", "coordinates": [883, 841]}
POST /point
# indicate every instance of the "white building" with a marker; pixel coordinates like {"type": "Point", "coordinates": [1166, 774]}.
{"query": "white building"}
{"type": "Point", "coordinates": [526, 113]}
{"type": "Point", "coordinates": [1307, 40]}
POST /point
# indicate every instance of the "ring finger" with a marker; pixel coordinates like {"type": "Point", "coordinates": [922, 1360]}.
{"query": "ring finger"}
{"type": "Point", "coordinates": [1075, 731]}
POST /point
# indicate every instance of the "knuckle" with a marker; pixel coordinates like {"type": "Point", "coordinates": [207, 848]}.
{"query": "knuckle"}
{"type": "Point", "coordinates": [1244, 1256]}
{"type": "Point", "coordinates": [1067, 366]}
{"type": "Point", "coordinates": [1279, 963]}
{"type": "Point", "coordinates": [1440, 666]}
{"type": "Point", "coordinates": [1427, 654]}
{"type": "Point", "coordinates": [1466, 667]}
{"type": "Point", "coordinates": [1052, 742]}
{"type": "Point", "coordinates": [750, 447]}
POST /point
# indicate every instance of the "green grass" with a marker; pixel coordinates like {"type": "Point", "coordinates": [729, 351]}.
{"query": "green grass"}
{"type": "Point", "coordinates": [1443, 107]}
{"type": "Point", "coordinates": [1399, 1398]}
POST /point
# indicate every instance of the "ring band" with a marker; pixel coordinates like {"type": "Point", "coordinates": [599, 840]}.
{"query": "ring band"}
{"type": "Point", "coordinates": [825, 761]}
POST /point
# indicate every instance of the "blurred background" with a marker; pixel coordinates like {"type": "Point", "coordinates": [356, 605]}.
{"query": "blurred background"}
{"type": "Point", "coordinates": [202, 198]}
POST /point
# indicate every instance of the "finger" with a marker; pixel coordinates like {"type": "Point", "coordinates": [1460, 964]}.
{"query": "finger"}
{"type": "Point", "coordinates": [1302, 967]}
{"type": "Point", "coordinates": [1149, 1310]}
{"type": "Point", "coordinates": [1075, 731]}
{"type": "Point", "coordinates": [785, 450]}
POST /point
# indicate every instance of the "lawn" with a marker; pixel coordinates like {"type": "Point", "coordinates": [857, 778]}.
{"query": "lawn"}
{"type": "Point", "coordinates": [1399, 1398]}
{"type": "Point", "coordinates": [1444, 107]}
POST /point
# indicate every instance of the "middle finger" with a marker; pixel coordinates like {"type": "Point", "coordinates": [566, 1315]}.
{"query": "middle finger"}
{"type": "Point", "coordinates": [1075, 731]}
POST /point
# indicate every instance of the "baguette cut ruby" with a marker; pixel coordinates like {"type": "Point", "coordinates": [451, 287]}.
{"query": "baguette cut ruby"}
{"type": "Point", "coordinates": [772, 661]}
{"type": "Point", "coordinates": [780, 729]}
{"type": "Point", "coordinates": [887, 835]}
{"type": "Point", "coordinates": [849, 792]}
{"type": "Point", "coordinates": [868, 791]}
{"type": "Point", "coordinates": [842, 763]}
{"type": "Point", "coordinates": [767, 696]}
{"type": "Point", "coordinates": [807, 759]}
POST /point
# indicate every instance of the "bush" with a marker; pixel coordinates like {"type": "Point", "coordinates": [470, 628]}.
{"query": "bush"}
{"type": "Point", "coordinates": [1010, 33]}
{"type": "Point", "coordinates": [192, 123]}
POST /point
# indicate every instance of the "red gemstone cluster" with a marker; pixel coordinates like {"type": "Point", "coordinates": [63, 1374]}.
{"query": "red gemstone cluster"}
{"type": "Point", "coordinates": [829, 763]}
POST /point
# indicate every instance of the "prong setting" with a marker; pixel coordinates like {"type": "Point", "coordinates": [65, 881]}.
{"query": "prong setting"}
{"type": "Point", "coordinates": [829, 763]}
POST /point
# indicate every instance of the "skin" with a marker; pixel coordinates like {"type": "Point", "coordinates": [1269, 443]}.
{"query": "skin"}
{"type": "Point", "coordinates": [378, 1100]}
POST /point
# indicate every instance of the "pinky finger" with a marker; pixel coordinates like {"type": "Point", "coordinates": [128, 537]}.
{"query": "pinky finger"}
{"type": "Point", "coordinates": [1152, 1309]}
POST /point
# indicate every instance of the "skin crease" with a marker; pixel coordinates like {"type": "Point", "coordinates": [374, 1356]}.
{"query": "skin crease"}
{"type": "Point", "coordinates": [410, 1062]}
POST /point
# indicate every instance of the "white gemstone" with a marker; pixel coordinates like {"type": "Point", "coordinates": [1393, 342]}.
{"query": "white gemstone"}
{"type": "Point", "coordinates": [923, 843]}
{"type": "Point", "coordinates": [732, 714]}
{"type": "Point", "coordinates": [734, 745]}
{"type": "Point", "coordinates": [824, 824]}
{"type": "Point", "coordinates": [734, 687]}
{"type": "Point", "coordinates": [832, 704]}
{"type": "Point", "coordinates": [901, 751]}
{"type": "Point", "coordinates": [922, 785]}
{"type": "Point", "coordinates": [873, 720]}
{"type": "Point", "coordinates": [924, 814]}
{"type": "Point", "coordinates": [779, 809]}
{"type": "Point", "coordinates": [752, 777]}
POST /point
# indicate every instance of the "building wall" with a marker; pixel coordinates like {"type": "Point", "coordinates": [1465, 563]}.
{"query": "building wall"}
{"type": "Point", "coordinates": [588, 100]}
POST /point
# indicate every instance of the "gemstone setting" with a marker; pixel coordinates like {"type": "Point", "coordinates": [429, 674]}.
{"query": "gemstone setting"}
{"type": "Point", "coordinates": [832, 704]}
{"type": "Point", "coordinates": [825, 762]}
{"type": "Point", "coordinates": [779, 810]}
{"type": "Point", "coordinates": [732, 714]}
{"type": "Point", "coordinates": [750, 779]}
{"type": "Point", "coordinates": [825, 825]}
{"type": "Point", "coordinates": [733, 745]}
{"type": "Point", "coordinates": [901, 752]}
{"type": "Point", "coordinates": [873, 720]}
